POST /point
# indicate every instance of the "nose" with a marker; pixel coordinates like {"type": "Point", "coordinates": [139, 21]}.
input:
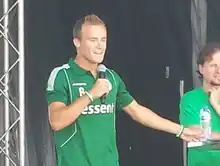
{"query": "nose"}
{"type": "Point", "coordinates": [99, 44]}
{"type": "Point", "coordinates": [218, 68]}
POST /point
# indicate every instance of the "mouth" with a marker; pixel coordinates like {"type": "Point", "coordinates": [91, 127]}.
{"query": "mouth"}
{"type": "Point", "coordinates": [98, 53]}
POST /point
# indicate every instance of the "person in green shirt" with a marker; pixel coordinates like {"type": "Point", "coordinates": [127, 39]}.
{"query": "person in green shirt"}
{"type": "Point", "coordinates": [84, 127]}
{"type": "Point", "coordinates": [208, 95]}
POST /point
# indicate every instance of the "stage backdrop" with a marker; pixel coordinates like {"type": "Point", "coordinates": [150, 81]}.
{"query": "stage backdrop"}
{"type": "Point", "coordinates": [144, 39]}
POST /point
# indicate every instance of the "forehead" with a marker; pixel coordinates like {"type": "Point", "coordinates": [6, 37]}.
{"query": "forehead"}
{"type": "Point", "coordinates": [94, 30]}
{"type": "Point", "coordinates": [215, 58]}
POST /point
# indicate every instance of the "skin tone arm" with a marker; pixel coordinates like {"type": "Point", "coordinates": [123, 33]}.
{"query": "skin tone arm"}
{"type": "Point", "coordinates": [61, 116]}
{"type": "Point", "coordinates": [148, 118]}
{"type": "Point", "coordinates": [215, 135]}
{"type": "Point", "coordinates": [215, 99]}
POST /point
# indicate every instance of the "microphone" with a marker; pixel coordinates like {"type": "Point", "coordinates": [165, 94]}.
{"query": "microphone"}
{"type": "Point", "coordinates": [101, 74]}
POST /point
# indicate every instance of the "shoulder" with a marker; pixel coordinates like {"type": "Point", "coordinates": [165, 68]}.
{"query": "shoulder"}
{"type": "Point", "coordinates": [192, 94]}
{"type": "Point", "coordinates": [192, 99]}
{"type": "Point", "coordinates": [56, 74]}
{"type": "Point", "coordinates": [58, 69]}
{"type": "Point", "coordinates": [115, 76]}
{"type": "Point", "coordinates": [113, 73]}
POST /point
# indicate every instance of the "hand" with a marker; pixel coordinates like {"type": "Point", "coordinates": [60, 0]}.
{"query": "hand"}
{"type": "Point", "coordinates": [101, 87]}
{"type": "Point", "coordinates": [215, 97]}
{"type": "Point", "coordinates": [191, 134]}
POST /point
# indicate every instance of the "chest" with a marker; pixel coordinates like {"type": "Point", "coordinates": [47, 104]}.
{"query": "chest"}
{"type": "Point", "coordinates": [80, 84]}
{"type": "Point", "coordinates": [215, 118]}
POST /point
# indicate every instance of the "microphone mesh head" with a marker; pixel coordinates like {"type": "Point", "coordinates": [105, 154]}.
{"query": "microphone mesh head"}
{"type": "Point", "coordinates": [101, 68]}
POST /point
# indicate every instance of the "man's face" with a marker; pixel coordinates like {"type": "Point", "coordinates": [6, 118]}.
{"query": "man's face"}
{"type": "Point", "coordinates": [211, 70]}
{"type": "Point", "coordinates": [92, 44]}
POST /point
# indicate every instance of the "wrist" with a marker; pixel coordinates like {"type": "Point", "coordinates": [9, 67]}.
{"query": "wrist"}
{"type": "Point", "coordinates": [215, 105]}
{"type": "Point", "coordinates": [180, 132]}
{"type": "Point", "coordinates": [90, 96]}
{"type": "Point", "coordinates": [93, 93]}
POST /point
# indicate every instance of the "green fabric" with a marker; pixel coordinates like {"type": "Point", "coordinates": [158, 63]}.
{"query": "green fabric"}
{"type": "Point", "coordinates": [191, 104]}
{"type": "Point", "coordinates": [91, 139]}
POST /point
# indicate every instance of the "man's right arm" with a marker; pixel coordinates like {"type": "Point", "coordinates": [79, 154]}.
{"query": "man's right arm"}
{"type": "Point", "coordinates": [61, 116]}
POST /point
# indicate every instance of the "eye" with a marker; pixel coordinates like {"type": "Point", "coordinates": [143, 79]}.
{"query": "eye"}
{"type": "Point", "coordinates": [213, 65]}
{"type": "Point", "coordinates": [103, 39]}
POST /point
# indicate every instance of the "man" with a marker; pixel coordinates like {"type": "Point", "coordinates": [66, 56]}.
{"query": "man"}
{"type": "Point", "coordinates": [208, 95]}
{"type": "Point", "coordinates": [85, 128]}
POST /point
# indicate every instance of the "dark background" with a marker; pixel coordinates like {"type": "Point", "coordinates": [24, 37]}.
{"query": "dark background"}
{"type": "Point", "coordinates": [143, 38]}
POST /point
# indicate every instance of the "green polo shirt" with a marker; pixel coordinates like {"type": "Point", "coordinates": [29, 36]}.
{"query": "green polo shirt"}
{"type": "Point", "coordinates": [91, 139]}
{"type": "Point", "coordinates": [191, 104]}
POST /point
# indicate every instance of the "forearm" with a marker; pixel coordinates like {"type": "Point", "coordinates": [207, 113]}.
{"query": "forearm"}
{"type": "Point", "coordinates": [215, 136]}
{"type": "Point", "coordinates": [66, 115]}
{"type": "Point", "coordinates": [215, 104]}
{"type": "Point", "coordinates": [148, 118]}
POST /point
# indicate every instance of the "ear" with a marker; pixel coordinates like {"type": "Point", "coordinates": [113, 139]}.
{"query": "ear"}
{"type": "Point", "coordinates": [201, 69]}
{"type": "Point", "coordinates": [76, 42]}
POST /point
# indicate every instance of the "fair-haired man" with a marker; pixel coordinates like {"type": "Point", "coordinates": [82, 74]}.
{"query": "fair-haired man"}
{"type": "Point", "coordinates": [84, 127]}
{"type": "Point", "coordinates": [206, 96]}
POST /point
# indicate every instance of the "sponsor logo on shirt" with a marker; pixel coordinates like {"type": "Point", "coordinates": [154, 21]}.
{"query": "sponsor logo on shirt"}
{"type": "Point", "coordinates": [79, 84]}
{"type": "Point", "coordinates": [96, 108]}
{"type": "Point", "coordinates": [99, 109]}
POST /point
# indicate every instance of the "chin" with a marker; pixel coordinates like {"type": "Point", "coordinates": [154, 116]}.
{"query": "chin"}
{"type": "Point", "coordinates": [98, 60]}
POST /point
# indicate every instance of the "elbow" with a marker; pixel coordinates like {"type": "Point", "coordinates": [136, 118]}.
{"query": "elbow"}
{"type": "Point", "coordinates": [134, 116]}
{"type": "Point", "coordinates": [137, 113]}
{"type": "Point", "coordinates": [133, 110]}
{"type": "Point", "coordinates": [56, 126]}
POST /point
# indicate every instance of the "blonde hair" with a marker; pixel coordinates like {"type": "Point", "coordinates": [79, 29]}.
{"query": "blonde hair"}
{"type": "Point", "coordinates": [91, 19]}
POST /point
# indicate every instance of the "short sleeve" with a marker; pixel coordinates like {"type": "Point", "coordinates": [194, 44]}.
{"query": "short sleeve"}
{"type": "Point", "coordinates": [189, 114]}
{"type": "Point", "coordinates": [57, 87]}
{"type": "Point", "coordinates": [123, 96]}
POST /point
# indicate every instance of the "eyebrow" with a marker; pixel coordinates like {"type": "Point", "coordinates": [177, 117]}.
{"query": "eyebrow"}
{"type": "Point", "coordinates": [97, 38]}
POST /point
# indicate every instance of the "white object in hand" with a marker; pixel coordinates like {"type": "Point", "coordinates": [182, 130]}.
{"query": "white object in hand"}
{"type": "Point", "coordinates": [205, 123]}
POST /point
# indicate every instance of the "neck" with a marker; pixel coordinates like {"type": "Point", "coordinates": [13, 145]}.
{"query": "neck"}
{"type": "Point", "coordinates": [206, 87]}
{"type": "Point", "coordinates": [85, 64]}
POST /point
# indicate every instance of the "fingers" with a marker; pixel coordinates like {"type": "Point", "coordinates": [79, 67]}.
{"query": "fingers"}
{"type": "Point", "coordinates": [101, 87]}
{"type": "Point", "coordinates": [107, 84]}
{"type": "Point", "coordinates": [110, 85]}
{"type": "Point", "coordinates": [214, 89]}
{"type": "Point", "coordinates": [191, 138]}
{"type": "Point", "coordinates": [214, 95]}
{"type": "Point", "coordinates": [195, 139]}
{"type": "Point", "coordinates": [192, 134]}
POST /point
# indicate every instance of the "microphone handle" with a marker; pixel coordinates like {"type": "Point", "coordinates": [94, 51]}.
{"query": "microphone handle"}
{"type": "Point", "coordinates": [103, 97]}
{"type": "Point", "coordinates": [101, 74]}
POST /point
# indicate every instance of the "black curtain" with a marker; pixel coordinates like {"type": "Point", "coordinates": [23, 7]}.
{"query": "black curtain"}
{"type": "Point", "coordinates": [144, 38]}
{"type": "Point", "coordinates": [213, 21]}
